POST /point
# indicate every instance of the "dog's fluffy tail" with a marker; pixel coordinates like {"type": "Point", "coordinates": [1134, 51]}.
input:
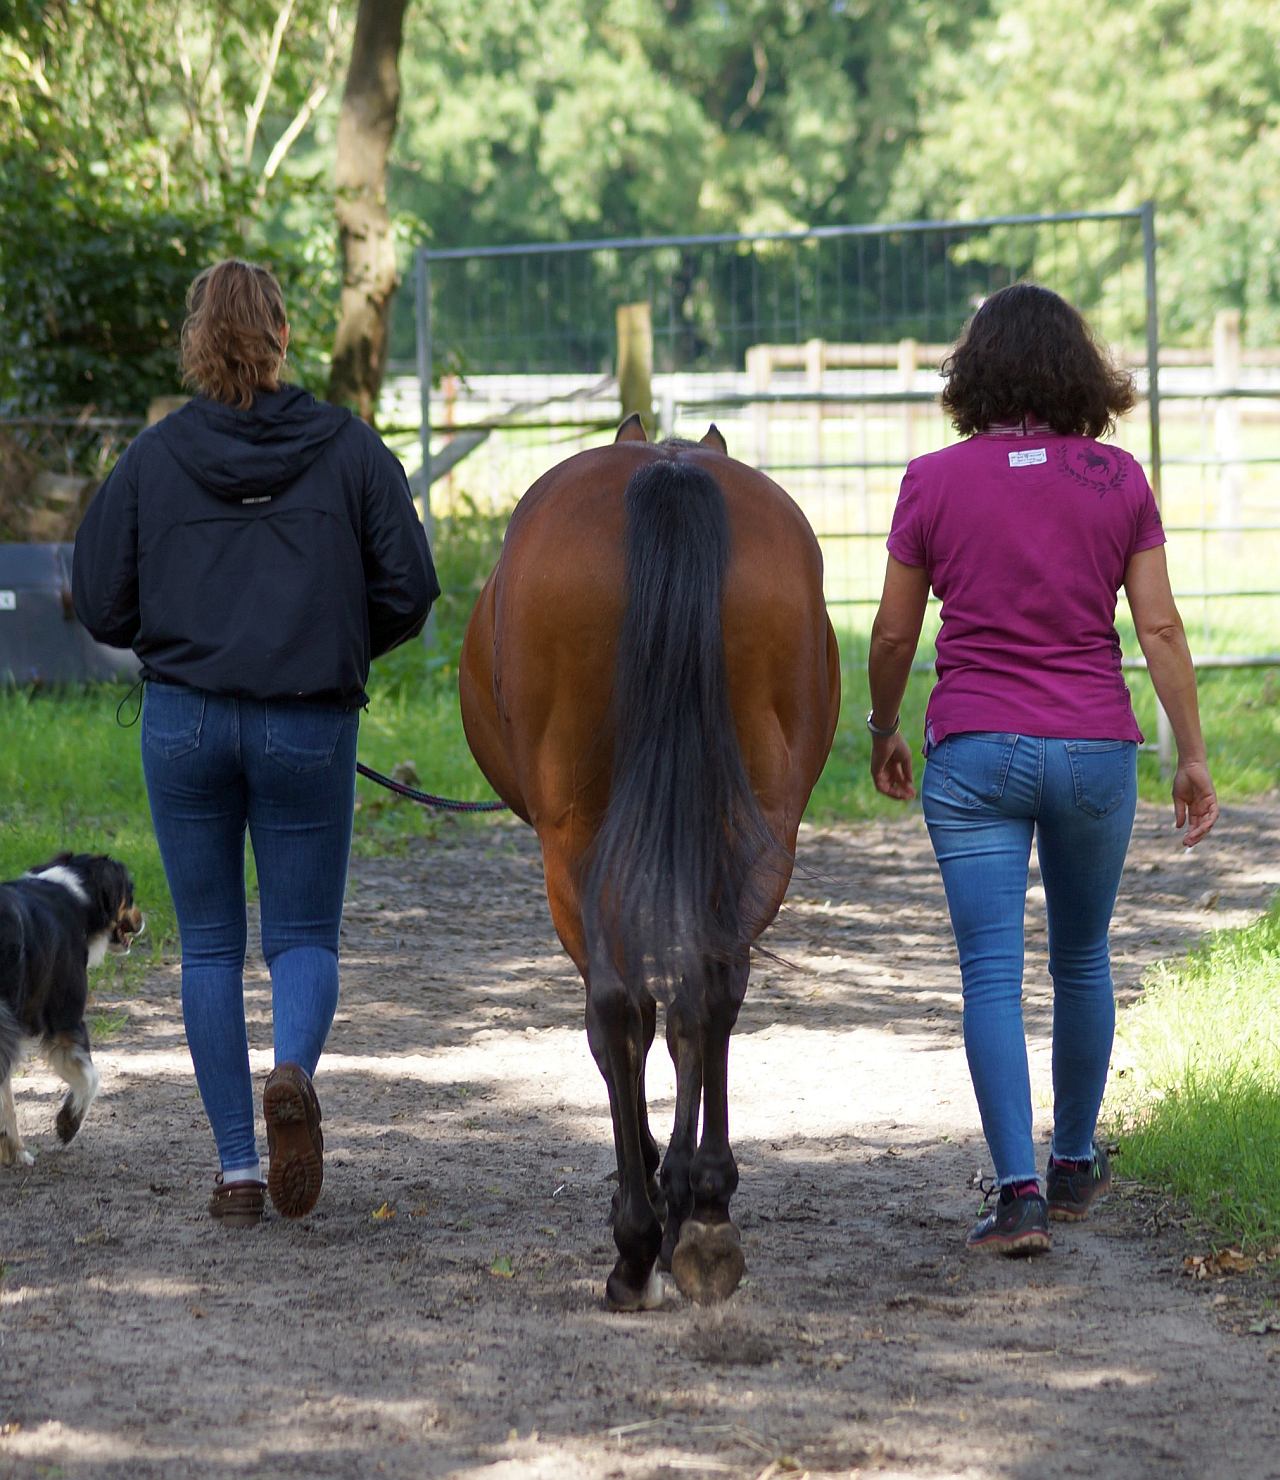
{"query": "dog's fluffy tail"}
{"type": "Point", "coordinates": [11, 1036]}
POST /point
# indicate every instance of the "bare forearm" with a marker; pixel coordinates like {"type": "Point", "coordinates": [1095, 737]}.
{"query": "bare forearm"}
{"type": "Point", "coordinates": [888, 670]}
{"type": "Point", "coordinates": [1174, 678]}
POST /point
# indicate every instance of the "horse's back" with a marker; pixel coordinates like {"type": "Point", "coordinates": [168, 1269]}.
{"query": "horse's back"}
{"type": "Point", "coordinates": [540, 655]}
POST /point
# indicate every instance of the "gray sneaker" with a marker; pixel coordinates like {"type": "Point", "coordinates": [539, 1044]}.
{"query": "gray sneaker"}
{"type": "Point", "coordinates": [1072, 1187]}
{"type": "Point", "coordinates": [1010, 1225]}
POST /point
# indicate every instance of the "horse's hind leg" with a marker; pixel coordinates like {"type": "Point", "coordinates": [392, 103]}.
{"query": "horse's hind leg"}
{"type": "Point", "coordinates": [684, 1042]}
{"type": "Point", "coordinates": [648, 1146]}
{"type": "Point", "coordinates": [649, 1027]}
{"type": "Point", "coordinates": [707, 1261]}
{"type": "Point", "coordinates": [616, 1033]}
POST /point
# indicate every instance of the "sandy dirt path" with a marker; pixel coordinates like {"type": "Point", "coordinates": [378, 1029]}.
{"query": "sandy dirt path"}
{"type": "Point", "coordinates": [462, 1333]}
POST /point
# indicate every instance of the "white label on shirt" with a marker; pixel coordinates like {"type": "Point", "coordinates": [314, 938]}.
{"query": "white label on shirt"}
{"type": "Point", "coordinates": [8, 601]}
{"type": "Point", "coordinates": [1025, 459]}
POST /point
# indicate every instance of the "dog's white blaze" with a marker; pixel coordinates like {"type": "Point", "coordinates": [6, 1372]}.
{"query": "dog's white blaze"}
{"type": "Point", "coordinates": [98, 948]}
{"type": "Point", "coordinates": [59, 873]}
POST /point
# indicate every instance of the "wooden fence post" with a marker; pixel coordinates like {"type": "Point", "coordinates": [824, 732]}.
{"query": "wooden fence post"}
{"type": "Point", "coordinates": [1226, 423]}
{"type": "Point", "coordinates": [759, 371]}
{"type": "Point", "coordinates": [815, 364]}
{"type": "Point", "coordinates": [635, 362]}
{"type": "Point", "coordinates": [907, 357]}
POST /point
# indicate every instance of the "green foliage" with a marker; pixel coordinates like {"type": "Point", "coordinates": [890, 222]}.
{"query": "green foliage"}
{"type": "Point", "coordinates": [1104, 105]}
{"type": "Point", "coordinates": [551, 121]}
{"type": "Point", "coordinates": [1196, 1102]}
{"type": "Point", "coordinates": [138, 143]}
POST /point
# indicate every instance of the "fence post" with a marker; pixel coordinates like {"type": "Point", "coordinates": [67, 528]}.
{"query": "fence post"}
{"type": "Point", "coordinates": [907, 357]}
{"type": "Point", "coordinates": [759, 371]}
{"type": "Point", "coordinates": [815, 364]}
{"type": "Point", "coordinates": [1226, 423]}
{"type": "Point", "coordinates": [635, 361]}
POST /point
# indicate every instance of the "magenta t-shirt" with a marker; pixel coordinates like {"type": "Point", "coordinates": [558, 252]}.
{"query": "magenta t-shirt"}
{"type": "Point", "coordinates": [1026, 537]}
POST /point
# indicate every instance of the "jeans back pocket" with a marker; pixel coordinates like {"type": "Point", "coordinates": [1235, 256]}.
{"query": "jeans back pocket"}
{"type": "Point", "coordinates": [302, 737]}
{"type": "Point", "coordinates": [1102, 772]}
{"type": "Point", "coordinates": [975, 767]}
{"type": "Point", "coordinates": [172, 719]}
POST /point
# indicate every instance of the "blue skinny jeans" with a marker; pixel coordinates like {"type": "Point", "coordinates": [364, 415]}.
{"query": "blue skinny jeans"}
{"type": "Point", "coordinates": [985, 796]}
{"type": "Point", "coordinates": [286, 770]}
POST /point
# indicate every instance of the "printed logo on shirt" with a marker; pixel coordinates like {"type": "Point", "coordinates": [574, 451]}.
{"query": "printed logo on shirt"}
{"type": "Point", "coordinates": [264, 498]}
{"type": "Point", "coordinates": [1028, 459]}
{"type": "Point", "coordinates": [1097, 468]}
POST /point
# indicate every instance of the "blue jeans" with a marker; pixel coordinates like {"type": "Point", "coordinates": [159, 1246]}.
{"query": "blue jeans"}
{"type": "Point", "coordinates": [286, 769]}
{"type": "Point", "coordinates": [984, 797]}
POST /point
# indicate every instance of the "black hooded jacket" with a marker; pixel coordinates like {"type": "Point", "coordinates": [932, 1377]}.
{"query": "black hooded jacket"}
{"type": "Point", "coordinates": [269, 553]}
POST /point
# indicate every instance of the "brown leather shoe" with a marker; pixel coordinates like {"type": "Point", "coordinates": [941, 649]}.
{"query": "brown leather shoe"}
{"type": "Point", "coordinates": [295, 1143]}
{"type": "Point", "coordinates": [237, 1204]}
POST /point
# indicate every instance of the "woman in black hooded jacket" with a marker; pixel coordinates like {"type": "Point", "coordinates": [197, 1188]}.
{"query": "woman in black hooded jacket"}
{"type": "Point", "coordinates": [256, 549]}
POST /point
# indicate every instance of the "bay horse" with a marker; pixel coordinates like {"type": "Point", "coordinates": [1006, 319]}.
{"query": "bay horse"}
{"type": "Point", "coordinates": [650, 679]}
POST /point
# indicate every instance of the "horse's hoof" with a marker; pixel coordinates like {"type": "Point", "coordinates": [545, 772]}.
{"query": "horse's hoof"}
{"type": "Point", "coordinates": [708, 1262]}
{"type": "Point", "coordinates": [623, 1298]}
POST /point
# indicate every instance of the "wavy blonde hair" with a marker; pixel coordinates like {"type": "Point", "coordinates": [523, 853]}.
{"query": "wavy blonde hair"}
{"type": "Point", "coordinates": [232, 339]}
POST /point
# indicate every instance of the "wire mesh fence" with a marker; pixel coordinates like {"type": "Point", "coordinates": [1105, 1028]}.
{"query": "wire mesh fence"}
{"type": "Point", "coordinates": [818, 355]}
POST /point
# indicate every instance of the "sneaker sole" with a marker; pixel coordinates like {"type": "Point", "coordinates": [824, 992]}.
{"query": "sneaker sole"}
{"type": "Point", "coordinates": [1019, 1245]}
{"type": "Point", "coordinates": [296, 1169]}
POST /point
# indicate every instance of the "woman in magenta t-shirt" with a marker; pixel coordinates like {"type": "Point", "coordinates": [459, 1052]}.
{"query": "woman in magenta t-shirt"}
{"type": "Point", "coordinates": [1026, 531]}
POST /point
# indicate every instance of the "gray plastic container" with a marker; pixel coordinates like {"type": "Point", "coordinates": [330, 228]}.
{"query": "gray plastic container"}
{"type": "Point", "coordinates": [41, 642]}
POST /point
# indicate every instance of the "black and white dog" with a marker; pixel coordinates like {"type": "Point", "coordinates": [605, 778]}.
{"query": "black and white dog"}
{"type": "Point", "coordinates": [55, 923]}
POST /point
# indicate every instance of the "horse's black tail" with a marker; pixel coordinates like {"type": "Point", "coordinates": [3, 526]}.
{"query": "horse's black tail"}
{"type": "Point", "coordinates": [667, 884]}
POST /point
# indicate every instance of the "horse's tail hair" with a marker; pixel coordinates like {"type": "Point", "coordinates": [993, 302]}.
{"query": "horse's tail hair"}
{"type": "Point", "coordinates": [667, 885]}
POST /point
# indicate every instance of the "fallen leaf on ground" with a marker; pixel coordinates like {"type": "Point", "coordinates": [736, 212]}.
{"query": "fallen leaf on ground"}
{"type": "Point", "coordinates": [503, 1268]}
{"type": "Point", "coordinates": [383, 1213]}
{"type": "Point", "coordinates": [1215, 1266]}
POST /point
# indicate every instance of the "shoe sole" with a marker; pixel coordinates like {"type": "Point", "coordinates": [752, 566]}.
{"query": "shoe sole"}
{"type": "Point", "coordinates": [237, 1220]}
{"type": "Point", "coordinates": [1072, 1212]}
{"type": "Point", "coordinates": [1019, 1245]}
{"type": "Point", "coordinates": [296, 1170]}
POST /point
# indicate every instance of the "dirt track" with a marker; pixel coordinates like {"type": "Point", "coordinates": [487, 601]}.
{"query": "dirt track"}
{"type": "Point", "coordinates": [462, 1332]}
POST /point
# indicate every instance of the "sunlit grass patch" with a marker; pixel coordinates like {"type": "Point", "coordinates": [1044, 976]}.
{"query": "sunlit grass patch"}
{"type": "Point", "coordinates": [1196, 1101]}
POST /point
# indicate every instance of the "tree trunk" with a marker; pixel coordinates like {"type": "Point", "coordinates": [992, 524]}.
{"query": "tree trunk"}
{"type": "Point", "coordinates": [366, 128]}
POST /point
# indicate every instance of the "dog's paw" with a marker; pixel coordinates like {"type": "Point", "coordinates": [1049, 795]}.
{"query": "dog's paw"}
{"type": "Point", "coordinates": [68, 1121]}
{"type": "Point", "coordinates": [14, 1154]}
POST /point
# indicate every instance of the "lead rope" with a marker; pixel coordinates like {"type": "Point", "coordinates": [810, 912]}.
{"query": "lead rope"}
{"type": "Point", "coordinates": [425, 798]}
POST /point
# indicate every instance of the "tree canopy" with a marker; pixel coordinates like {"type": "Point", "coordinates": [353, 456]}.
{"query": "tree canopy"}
{"type": "Point", "coordinates": [139, 140]}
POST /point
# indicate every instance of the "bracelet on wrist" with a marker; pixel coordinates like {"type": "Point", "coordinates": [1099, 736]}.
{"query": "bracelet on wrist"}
{"type": "Point", "coordinates": [879, 731]}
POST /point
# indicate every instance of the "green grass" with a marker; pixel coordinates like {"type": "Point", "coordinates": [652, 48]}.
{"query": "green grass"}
{"type": "Point", "coordinates": [70, 774]}
{"type": "Point", "coordinates": [1197, 1104]}
{"type": "Point", "coordinates": [71, 779]}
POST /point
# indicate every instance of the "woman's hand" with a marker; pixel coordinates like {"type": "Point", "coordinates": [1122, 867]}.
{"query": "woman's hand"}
{"type": "Point", "coordinates": [1194, 800]}
{"type": "Point", "coordinates": [891, 767]}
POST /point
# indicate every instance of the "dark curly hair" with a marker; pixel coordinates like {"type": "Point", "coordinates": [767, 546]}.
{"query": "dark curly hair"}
{"type": "Point", "coordinates": [1027, 352]}
{"type": "Point", "coordinates": [232, 340]}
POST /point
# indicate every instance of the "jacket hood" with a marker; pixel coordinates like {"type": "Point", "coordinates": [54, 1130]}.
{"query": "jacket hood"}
{"type": "Point", "coordinates": [260, 451]}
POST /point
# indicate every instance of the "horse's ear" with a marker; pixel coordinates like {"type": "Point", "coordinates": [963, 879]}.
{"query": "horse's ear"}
{"type": "Point", "coordinates": [714, 439]}
{"type": "Point", "coordinates": [631, 430]}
